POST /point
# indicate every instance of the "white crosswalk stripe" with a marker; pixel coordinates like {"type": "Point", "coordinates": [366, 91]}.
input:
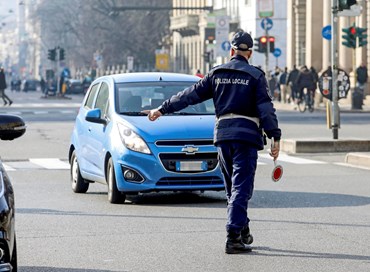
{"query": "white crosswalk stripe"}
{"type": "Point", "coordinates": [58, 164]}
{"type": "Point", "coordinates": [292, 159]}
{"type": "Point", "coordinates": [50, 163]}
{"type": "Point", "coordinates": [46, 163]}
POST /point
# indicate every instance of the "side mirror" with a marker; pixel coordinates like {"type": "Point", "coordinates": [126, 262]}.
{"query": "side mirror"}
{"type": "Point", "coordinates": [94, 116]}
{"type": "Point", "coordinates": [11, 127]}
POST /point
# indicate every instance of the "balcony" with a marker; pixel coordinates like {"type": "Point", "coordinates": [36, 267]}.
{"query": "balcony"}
{"type": "Point", "coordinates": [186, 25]}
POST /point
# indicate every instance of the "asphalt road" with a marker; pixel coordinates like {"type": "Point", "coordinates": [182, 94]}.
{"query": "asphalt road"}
{"type": "Point", "coordinates": [315, 219]}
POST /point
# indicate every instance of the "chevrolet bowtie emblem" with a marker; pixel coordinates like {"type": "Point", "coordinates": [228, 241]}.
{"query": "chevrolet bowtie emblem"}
{"type": "Point", "coordinates": [190, 149]}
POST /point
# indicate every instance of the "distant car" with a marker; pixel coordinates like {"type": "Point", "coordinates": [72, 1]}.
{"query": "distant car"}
{"type": "Point", "coordinates": [11, 127]}
{"type": "Point", "coordinates": [74, 86]}
{"type": "Point", "coordinates": [31, 85]}
{"type": "Point", "coordinates": [113, 143]}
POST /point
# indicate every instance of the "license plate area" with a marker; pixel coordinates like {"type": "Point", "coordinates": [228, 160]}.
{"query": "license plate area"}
{"type": "Point", "coordinates": [191, 166]}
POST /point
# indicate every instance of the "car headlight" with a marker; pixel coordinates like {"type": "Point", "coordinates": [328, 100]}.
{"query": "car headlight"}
{"type": "Point", "coordinates": [132, 141]}
{"type": "Point", "coordinates": [2, 186]}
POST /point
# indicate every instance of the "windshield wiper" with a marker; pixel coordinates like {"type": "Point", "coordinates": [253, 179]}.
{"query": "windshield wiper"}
{"type": "Point", "coordinates": [192, 113]}
{"type": "Point", "coordinates": [133, 113]}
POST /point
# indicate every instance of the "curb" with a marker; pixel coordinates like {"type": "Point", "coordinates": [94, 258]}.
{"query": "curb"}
{"type": "Point", "coordinates": [358, 159]}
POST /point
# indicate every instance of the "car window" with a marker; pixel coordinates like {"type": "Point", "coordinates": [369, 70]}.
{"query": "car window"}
{"type": "Point", "coordinates": [92, 94]}
{"type": "Point", "coordinates": [102, 99]}
{"type": "Point", "coordinates": [135, 97]}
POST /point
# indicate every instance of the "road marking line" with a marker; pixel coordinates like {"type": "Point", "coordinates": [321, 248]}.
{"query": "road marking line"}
{"type": "Point", "coordinates": [51, 163]}
{"type": "Point", "coordinates": [292, 159]}
{"type": "Point", "coordinates": [8, 168]}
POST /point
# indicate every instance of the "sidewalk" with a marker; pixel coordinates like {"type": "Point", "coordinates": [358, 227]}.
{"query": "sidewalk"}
{"type": "Point", "coordinates": [358, 150]}
{"type": "Point", "coordinates": [345, 105]}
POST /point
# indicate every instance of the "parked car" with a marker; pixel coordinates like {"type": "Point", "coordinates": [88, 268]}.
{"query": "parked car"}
{"type": "Point", "coordinates": [114, 143]}
{"type": "Point", "coordinates": [11, 127]}
{"type": "Point", "coordinates": [31, 85]}
{"type": "Point", "coordinates": [74, 86]}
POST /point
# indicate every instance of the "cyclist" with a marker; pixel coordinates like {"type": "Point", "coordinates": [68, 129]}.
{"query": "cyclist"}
{"type": "Point", "coordinates": [306, 80]}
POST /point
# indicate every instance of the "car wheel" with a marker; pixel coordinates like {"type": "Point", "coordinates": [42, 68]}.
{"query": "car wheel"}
{"type": "Point", "coordinates": [14, 261]}
{"type": "Point", "coordinates": [78, 183]}
{"type": "Point", "coordinates": [114, 196]}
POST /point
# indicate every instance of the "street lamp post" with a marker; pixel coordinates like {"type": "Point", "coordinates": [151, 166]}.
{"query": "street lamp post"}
{"type": "Point", "coordinates": [334, 64]}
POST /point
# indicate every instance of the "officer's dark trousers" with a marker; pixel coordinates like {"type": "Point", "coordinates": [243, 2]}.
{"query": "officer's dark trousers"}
{"type": "Point", "coordinates": [238, 162]}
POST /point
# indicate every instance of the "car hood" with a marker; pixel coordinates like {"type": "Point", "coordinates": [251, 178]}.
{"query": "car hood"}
{"type": "Point", "coordinates": [173, 127]}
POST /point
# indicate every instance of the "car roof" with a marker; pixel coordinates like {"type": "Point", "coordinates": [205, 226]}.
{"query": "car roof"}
{"type": "Point", "coordinates": [152, 77]}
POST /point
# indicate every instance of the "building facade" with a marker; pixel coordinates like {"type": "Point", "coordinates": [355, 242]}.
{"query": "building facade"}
{"type": "Point", "coordinates": [195, 33]}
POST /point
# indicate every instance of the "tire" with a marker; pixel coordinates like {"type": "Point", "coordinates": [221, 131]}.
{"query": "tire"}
{"type": "Point", "coordinates": [14, 260]}
{"type": "Point", "coordinates": [114, 196]}
{"type": "Point", "coordinates": [78, 183]}
{"type": "Point", "coordinates": [302, 105]}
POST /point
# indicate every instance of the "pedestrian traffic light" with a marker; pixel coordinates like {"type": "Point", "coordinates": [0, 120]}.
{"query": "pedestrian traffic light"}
{"type": "Point", "coordinates": [52, 54]}
{"type": "Point", "coordinates": [61, 54]}
{"type": "Point", "coordinates": [349, 37]}
{"type": "Point", "coordinates": [362, 36]}
{"type": "Point", "coordinates": [261, 45]}
{"type": "Point", "coordinates": [346, 4]}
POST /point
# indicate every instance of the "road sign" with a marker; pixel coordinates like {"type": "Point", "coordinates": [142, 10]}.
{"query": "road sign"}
{"type": "Point", "coordinates": [222, 35]}
{"type": "Point", "coordinates": [226, 46]}
{"type": "Point", "coordinates": [265, 8]}
{"type": "Point", "coordinates": [277, 52]}
{"type": "Point", "coordinates": [266, 24]}
{"type": "Point", "coordinates": [325, 84]}
{"type": "Point", "coordinates": [326, 32]}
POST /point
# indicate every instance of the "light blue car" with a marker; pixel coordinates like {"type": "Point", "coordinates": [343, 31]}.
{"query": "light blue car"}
{"type": "Point", "coordinates": [114, 143]}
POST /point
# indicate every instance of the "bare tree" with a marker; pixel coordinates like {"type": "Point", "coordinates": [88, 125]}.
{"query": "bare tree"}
{"type": "Point", "coordinates": [83, 27]}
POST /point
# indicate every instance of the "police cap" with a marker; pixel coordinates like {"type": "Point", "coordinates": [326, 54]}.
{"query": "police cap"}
{"type": "Point", "coordinates": [242, 41]}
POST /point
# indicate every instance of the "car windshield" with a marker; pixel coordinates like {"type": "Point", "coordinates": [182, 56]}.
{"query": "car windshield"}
{"type": "Point", "coordinates": [134, 97]}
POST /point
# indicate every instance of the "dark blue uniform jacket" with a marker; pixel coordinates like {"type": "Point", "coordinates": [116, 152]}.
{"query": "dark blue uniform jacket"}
{"type": "Point", "coordinates": [235, 87]}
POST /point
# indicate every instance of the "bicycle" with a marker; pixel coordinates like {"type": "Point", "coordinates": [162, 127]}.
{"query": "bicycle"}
{"type": "Point", "coordinates": [307, 102]}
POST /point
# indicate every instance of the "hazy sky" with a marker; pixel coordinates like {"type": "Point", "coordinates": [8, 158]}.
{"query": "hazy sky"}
{"type": "Point", "coordinates": [5, 7]}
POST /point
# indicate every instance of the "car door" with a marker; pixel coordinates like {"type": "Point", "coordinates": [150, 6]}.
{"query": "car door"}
{"type": "Point", "coordinates": [97, 134]}
{"type": "Point", "coordinates": [82, 130]}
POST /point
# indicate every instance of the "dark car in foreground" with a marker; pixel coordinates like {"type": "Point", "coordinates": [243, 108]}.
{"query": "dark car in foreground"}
{"type": "Point", "coordinates": [11, 127]}
{"type": "Point", "coordinates": [114, 143]}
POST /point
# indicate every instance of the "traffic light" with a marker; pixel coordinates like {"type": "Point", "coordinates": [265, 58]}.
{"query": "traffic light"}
{"type": "Point", "coordinates": [61, 54]}
{"type": "Point", "coordinates": [272, 43]}
{"type": "Point", "coordinates": [346, 4]}
{"type": "Point", "coordinates": [207, 57]}
{"type": "Point", "coordinates": [350, 37]}
{"type": "Point", "coordinates": [362, 36]}
{"type": "Point", "coordinates": [52, 54]}
{"type": "Point", "coordinates": [261, 45]}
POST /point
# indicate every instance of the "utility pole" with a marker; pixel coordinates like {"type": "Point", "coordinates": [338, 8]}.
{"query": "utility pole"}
{"type": "Point", "coordinates": [334, 67]}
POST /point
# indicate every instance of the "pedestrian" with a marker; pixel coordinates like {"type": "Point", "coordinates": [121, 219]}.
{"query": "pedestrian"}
{"type": "Point", "coordinates": [199, 74]}
{"type": "Point", "coordinates": [291, 83]}
{"type": "Point", "coordinates": [243, 109]}
{"type": "Point", "coordinates": [3, 86]}
{"type": "Point", "coordinates": [283, 82]}
{"type": "Point", "coordinates": [362, 77]}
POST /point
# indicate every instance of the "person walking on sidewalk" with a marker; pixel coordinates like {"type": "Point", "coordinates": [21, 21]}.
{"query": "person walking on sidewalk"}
{"type": "Point", "coordinates": [3, 86]}
{"type": "Point", "coordinates": [243, 109]}
{"type": "Point", "coordinates": [283, 85]}
{"type": "Point", "coordinates": [292, 83]}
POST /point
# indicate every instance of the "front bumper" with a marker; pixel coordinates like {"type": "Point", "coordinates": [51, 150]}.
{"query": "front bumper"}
{"type": "Point", "coordinates": [6, 267]}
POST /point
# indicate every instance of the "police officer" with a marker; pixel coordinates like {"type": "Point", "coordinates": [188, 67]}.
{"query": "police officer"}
{"type": "Point", "coordinates": [243, 110]}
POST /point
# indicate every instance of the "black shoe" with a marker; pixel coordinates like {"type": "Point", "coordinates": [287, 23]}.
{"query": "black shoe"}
{"type": "Point", "coordinates": [247, 237]}
{"type": "Point", "coordinates": [5, 103]}
{"type": "Point", "coordinates": [10, 103]}
{"type": "Point", "coordinates": [235, 245]}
